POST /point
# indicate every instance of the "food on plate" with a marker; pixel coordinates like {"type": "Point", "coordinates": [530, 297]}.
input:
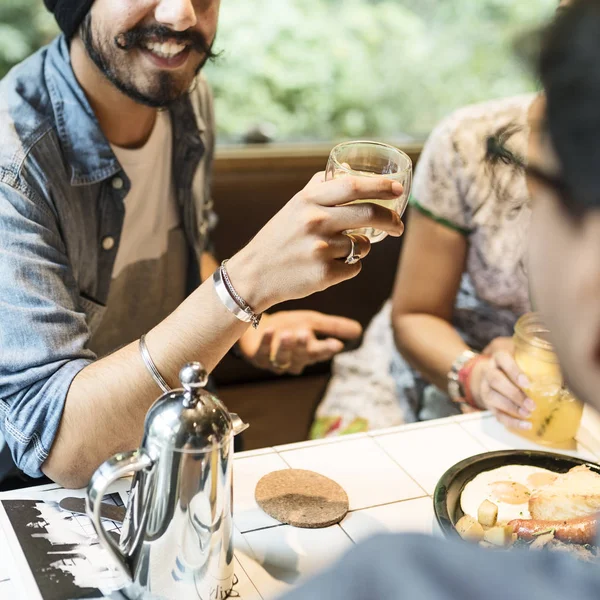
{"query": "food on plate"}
{"type": "Point", "coordinates": [469, 529]}
{"type": "Point", "coordinates": [508, 487]}
{"type": "Point", "coordinates": [571, 495]}
{"type": "Point", "coordinates": [501, 535]}
{"type": "Point", "coordinates": [521, 505]}
{"type": "Point", "coordinates": [587, 553]}
{"type": "Point", "coordinates": [572, 531]}
{"type": "Point", "coordinates": [542, 540]}
{"type": "Point", "coordinates": [487, 513]}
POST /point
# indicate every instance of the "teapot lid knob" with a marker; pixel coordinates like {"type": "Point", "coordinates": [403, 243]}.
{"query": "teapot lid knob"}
{"type": "Point", "coordinates": [193, 377]}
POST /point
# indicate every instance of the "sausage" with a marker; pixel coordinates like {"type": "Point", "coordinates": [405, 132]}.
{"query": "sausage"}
{"type": "Point", "coordinates": [572, 531]}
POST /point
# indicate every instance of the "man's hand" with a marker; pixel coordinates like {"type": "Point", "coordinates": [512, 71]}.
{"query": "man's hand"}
{"type": "Point", "coordinates": [303, 248]}
{"type": "Point", "coordinates": [287, 342]}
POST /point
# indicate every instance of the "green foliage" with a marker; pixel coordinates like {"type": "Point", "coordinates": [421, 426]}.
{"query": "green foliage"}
{"type": "Point", "coordinates": [24, 27]}
{"type": "Point", "coordinates": [328, 69]}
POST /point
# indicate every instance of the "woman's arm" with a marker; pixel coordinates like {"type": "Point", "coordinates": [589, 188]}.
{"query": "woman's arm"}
{"type": "Point", "coordinates": [431, 267]}
{"type": "Point", "coordinates": [433, 260]}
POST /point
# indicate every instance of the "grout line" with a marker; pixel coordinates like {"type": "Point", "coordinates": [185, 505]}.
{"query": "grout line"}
{"type": "Point", "coordinates": [356, 510]}
{"type": "Point", "coordinates": [280, 454]}
{"type": "Point", "coordinates": [588, 449]}
{"type": "Point", "coordinates": [319, 443]}
{"type": "Point", "coordinates": [239, 562]}
{"type": "Point", "coordinates": [416, 426]}
{"type": "Point", "coordinates": [538, 447]}
{"type": "Point", "coordinates": [401, 468]}
{"type": "Point", "coordinates": [472, 436]}
{"type": "Point", "coordinates": [442, 422]}
{"type": "Point", "coordinates": [241, 458]}
{"type": "Point", "coordinates": [583, 446]}
{"type": "Point", "coordinates": [346, 533]}
{"type": "Point", "coordinates": [468, 417]}
{"type": "Point", "coordinates": [263, 528]}
{"type": "Point", "coordinates": [447, 422]}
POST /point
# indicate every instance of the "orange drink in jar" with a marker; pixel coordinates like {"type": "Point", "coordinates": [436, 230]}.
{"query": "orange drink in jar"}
{"type": "Point", "coordinates": [557, 416]}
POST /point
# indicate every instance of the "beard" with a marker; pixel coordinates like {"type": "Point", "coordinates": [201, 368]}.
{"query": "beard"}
{"type": "Point", "coordinates": [158, 90]}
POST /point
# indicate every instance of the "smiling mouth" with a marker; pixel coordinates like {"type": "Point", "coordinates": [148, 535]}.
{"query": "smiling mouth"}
{"type": "Point", "coordinates": [166, 50]}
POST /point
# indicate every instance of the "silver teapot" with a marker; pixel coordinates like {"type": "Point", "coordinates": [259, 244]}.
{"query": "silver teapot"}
{"type": "Point", "coordinates": [177, 536]}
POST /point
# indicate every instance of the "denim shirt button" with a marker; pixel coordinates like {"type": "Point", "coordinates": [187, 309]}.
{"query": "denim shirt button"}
{"type": "Point", "coordinates": [117, 183]}
{"type": "Point", "coordinates": [108, 243]}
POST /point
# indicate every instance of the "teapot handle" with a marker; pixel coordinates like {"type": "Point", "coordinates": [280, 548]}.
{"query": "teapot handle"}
{"type": "Point", "coordinates": [116, 467]}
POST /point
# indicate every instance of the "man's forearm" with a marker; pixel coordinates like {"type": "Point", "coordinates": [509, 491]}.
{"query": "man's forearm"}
{"type": "Point", "coordinates": [290, 257]}
{"type": "Point", "coordinates": [107, 402]}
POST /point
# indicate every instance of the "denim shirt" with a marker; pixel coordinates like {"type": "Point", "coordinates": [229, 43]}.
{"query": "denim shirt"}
{"type": "Point", "coordinates": [62, 195]}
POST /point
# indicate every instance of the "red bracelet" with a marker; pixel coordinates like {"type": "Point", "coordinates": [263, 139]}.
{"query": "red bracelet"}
{"type": "Point", "coordinates": [464, 378]}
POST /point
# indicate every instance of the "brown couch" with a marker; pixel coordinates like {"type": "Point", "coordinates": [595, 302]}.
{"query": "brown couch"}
{"type": "Point", "coordinates": [249, 188]}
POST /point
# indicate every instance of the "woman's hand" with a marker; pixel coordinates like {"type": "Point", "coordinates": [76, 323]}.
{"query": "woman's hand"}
{"type": "Point", "coordinates": [497, 385]}
{"type": "Point", "coordinates": [302, 249]}
{"type": "Point", "coordinates": [500, 344]}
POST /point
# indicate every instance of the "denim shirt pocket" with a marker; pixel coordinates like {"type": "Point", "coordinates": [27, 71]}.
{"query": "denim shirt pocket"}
{"type": "Point", "coordinates": [94, 311]}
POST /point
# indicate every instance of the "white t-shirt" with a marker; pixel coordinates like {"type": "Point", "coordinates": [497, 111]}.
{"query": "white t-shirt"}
{"type": "Point", "coordinates": [150, 207]}
{"type": "Point", "coordinates": [149, 274]}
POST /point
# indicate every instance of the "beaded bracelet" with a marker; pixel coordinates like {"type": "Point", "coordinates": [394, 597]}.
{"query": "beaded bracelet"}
{"type": "Point", "coordinates": [464, 378]}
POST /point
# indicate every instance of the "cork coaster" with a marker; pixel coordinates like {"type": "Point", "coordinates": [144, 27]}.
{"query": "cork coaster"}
{"type": "Point", "coordinates": [302, 498]}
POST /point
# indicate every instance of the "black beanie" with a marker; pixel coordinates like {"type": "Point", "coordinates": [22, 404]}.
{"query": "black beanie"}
{"type": "Point", "coordinates": [69, 14]}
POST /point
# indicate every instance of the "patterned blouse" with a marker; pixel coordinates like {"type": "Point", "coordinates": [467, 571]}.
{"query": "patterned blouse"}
{"type": "Point", "coordinates": [457, 186]}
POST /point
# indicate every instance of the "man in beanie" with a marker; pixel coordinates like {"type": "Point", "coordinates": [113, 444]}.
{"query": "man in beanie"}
{"type": "Point", "coordinates": [105, 213]}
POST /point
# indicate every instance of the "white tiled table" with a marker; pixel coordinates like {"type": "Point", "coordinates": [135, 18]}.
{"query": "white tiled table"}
{"type": "Point", "coordinates": [389, 475]}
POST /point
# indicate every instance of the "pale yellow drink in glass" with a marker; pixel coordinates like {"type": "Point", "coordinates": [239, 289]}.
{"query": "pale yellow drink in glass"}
{"type": "Point", "coordinates": [372, 159]}
{"type": "Point", "coordinates": [373, 234]}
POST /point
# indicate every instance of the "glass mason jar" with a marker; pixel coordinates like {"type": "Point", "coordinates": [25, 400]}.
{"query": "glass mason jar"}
{"type": "Point", "coordinates": [557, 415]}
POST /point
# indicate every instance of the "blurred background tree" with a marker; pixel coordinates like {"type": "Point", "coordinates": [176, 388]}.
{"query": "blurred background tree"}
{"type": "Point", "coordinates": [322, 70]}
{"type": "Point", "coordinates": [25, 25]}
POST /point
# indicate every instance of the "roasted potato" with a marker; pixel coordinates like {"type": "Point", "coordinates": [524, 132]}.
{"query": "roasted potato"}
{"type": "Point", "coordinates": [487, 514]}
{"type": "Point", "coordinates": [501, 536]}
{"type": "Point", "coordinates": [469, 529]}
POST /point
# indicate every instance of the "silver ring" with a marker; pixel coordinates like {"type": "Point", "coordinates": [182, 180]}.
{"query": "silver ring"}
{"type": "Point", "coordinates": [352, 257]}
{"type": "Point", "coordinates": [281, 367]}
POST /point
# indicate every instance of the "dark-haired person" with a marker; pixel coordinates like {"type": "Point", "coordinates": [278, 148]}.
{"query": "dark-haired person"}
{"type": "Point", "coordinates": [105, 215]}
{"type": "Point", "coordinates": [564, 180]}
{"type": "Point", "coordinates": [461, 286]}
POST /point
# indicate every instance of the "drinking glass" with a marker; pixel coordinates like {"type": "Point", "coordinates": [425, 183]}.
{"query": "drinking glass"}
{"type": "Point", "coordinates": [372, 159]}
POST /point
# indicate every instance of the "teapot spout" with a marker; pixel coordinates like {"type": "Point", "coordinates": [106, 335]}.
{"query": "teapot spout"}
{"type": "Point", "coordinates": [238, 424]}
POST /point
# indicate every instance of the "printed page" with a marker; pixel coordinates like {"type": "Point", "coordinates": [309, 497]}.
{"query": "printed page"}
{"type": "Point", "coordinates": [55, 552]}
{"type": "Point", "coordinates": [48, 553]}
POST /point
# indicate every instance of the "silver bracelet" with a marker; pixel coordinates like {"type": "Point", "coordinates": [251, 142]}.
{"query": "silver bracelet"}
{"type": "Point", "coordinates": [234, 303]}
{"type": "Point", "coordinates": [455, 391]}
{"type": "Point", "coordinates": [149, 363]}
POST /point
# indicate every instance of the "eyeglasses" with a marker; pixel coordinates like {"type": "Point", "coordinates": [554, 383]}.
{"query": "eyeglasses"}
{"type": "Point", "coordinates": [557, 184]}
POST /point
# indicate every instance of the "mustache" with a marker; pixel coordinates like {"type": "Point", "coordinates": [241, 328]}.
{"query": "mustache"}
{"type": "Point", "coordinates": [137, 37]}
